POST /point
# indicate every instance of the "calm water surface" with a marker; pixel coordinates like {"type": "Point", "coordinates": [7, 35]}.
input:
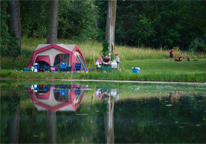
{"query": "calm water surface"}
{"type": "Point", "coordinates": [103, 113]}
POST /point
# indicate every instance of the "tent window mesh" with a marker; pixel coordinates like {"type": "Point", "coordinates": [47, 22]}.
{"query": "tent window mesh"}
{"type": "Point", "coordinates": [80, 60]}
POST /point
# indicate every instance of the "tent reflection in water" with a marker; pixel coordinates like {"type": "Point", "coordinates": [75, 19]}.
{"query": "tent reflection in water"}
{"type": "Point", "coordinates": [57, 97]}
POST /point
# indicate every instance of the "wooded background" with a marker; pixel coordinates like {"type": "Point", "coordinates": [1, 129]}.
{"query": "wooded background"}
{"type": "Point", "coordinates": [154, 24]}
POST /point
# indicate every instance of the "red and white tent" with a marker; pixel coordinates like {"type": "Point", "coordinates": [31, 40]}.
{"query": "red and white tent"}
{"type": "Point", "coordinates": [54, 54]}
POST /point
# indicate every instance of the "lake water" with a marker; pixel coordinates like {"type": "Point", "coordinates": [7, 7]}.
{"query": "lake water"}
{"type": "Point", "coordinates": [101, 112]}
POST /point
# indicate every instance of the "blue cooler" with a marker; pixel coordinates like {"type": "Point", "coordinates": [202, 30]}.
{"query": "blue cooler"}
{"type": "Point", "coordinates": [26, 69]}
{"type": "Point", "coordinates": [135, 69]}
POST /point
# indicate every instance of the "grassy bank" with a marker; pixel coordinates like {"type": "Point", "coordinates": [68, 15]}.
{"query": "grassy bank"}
{"type": "Point", "coordinates": [151, 70]}
{"type": "Point", "coordinates": [155, 64]}
{"type": "Point", "coordinates": [89, 49]}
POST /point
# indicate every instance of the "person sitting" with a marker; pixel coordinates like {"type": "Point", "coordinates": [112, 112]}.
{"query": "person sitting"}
{"type": "Point", "coordinates": [107, 58]}
{"type": "Point", "coordinates": [99, 61]}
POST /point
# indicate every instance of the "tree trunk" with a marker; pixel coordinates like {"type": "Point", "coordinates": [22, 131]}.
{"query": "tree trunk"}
{"type": "Point", "coordinates": [53, 22]}
{"type": "Point", "coordinates": [14, 20]}
{"type": "Point", "coordinates": [110, 26]}
{"type": "Point", "coordinates": [95, 14]}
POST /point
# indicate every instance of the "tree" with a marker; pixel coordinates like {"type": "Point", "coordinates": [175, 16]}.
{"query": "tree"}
{"type": "Point", "coordinates": [110, 25]}
{"type": "Point", "coordinates": [53, 22]}
{"type": "Point", "coordinates": [14, 20]}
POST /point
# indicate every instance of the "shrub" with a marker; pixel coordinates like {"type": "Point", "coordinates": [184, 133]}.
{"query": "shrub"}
{"type": "Point", "coordinates": [105, 45]}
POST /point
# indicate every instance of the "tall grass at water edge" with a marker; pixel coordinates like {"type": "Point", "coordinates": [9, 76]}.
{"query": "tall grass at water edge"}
{"type": "Point", "coordinates": [91, 49]}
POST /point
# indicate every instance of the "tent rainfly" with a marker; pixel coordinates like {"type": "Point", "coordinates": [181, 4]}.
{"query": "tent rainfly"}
{"type": "Point", "coordinates": [54, 54]}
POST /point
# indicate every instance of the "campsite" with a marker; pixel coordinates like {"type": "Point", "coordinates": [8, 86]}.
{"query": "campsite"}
{"type": "Point", "coordinates": [62, 43]}
{"type": "Point", "coordinates": [52, 57]}
{"type": "Point", "coordinates": [103, 71]}
{"type": "Point", "coordinates": [155, 64]}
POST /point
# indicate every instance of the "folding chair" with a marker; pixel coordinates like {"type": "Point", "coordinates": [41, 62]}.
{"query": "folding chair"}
{"type": "Point", "coordinates": [77, 67]}
{"type": "Point", "coordinates": [63, 66]}
{"type": "Point", "coordinates": [63, 92]}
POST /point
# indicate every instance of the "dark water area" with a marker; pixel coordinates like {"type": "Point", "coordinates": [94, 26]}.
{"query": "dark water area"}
{"type": "Point", "coordinates": [103, 113]}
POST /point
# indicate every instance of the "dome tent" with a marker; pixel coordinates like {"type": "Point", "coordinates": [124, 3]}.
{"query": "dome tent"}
{"type": "Point", "coordinates": [54, 54]}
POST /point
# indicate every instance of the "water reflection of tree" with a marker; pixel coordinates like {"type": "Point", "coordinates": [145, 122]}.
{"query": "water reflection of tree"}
{"type": "Point", "coordinates": [10, 117]}
{"type": "Point", "coordinates": [144, 121]}
{"type": "Point", "coordinates": [109, 122]}
{"type": "Point", "coordinates": [51, 124]}
{"type": "Point", "coordinates": [154, 121]}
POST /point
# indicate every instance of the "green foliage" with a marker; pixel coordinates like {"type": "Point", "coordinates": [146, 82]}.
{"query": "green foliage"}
{"type": "Point", "coordinates": [15, 50]}
{"type": "Point", "coordinates": [113, 57]}
{"type": "Point", "coordinates": [34, 18]}
{"type": "Point", "coordinates": [103, 107]}
{"type": "Point", "coordinates": [105, 50]}
{"type": "Point", "coordinates": [75, 20]}
{"type": "Point", "coordinates": [9, 103]}
{"type": "Point", "coordinates": [9, 42]}
{"type": "Point", "coordinates": [198, 45]}
{"type": "Point", "coordinates": [156, 24]}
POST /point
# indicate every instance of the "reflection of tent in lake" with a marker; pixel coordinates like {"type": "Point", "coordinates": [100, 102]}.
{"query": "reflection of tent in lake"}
{"type": "Point", "coordinates": [57, 97]}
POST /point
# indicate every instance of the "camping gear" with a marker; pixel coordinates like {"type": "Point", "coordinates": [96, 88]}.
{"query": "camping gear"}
{"type": "Point", "coordinates": [135, 69]}
{"type": "Point", "coordinates": [179, 59]}
{"type": "Point", "coordinates": [63, 92]}
{"type": "Point", "coordinates": [86, 70]}
{"type": "Point", "coordinates": [52, 68]}
{"type": "Point", "coordinates": [26, 69]}
{"type": "Point", "coordinates": [36, 66]}
{"type": "Point", "coordinates": [36, 88]}
{"type": "Point", "coordinates": [52, 55]}
{"type": "Point", "coordinates": [63, 66]}
{"type": "Point", "coordinates": [113, 65]}
{"type": "Point", "coordinates": [68, 68]}
{"type": "Point", "coordinates": [46, 67]}
{"type": "Point", "coordinates": [77, 66]}
{"type": "Point", "coordinates": [32, 68]}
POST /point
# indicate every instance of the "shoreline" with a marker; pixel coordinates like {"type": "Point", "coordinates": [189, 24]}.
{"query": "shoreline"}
{"type": "Point", "coordinates": [110, 81]}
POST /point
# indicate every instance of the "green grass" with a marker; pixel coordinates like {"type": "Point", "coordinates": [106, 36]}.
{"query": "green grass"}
{"type": "Point", "coordinates": [150, 70]}
{"type": "Point", "coordinates": [155, 65]}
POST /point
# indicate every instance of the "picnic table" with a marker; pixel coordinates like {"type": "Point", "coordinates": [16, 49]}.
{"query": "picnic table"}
{"type": "Point", "coordinates": [106, 66]}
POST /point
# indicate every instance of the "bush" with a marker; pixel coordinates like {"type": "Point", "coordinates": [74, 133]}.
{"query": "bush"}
{"type": "Point", "coordinates": [198, 45]}
{"type": "Point", "coordinates": [105, 45]}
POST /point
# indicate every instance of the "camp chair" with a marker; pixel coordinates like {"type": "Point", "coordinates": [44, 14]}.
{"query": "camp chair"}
{"type": "Point", "coordinates": [68, 68]}
{"type": "Point", "coordinates": [77, 91]}
{"type": "Point", "coordinates": [63, 92]}
{"type": "Point", "coordinates": [52, 68]}
{"type": "Point", "coordinates": [46, 67]}
{"type": "Point", "coordinates": [45, 89]}
{"type": "Point", "coordinates": [77, 67]}
{"type": "Point", "coordinates": [63, 66]}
